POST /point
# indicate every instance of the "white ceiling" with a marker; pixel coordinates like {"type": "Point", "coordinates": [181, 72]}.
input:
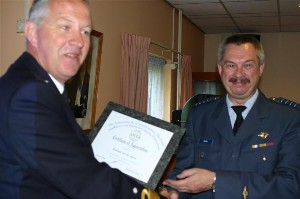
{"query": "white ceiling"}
{"type": "Point", "coordinates": [241, 16]}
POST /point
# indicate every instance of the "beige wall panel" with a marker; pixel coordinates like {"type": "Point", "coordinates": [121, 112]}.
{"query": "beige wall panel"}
{"type": "Point", "coordinates": [12, 44]}
{"type": "Point", "coordinates": [151, 18]}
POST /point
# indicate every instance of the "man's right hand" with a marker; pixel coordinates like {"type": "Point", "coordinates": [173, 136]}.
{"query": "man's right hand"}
{"type": "Point", "coordinates": [169, 194]}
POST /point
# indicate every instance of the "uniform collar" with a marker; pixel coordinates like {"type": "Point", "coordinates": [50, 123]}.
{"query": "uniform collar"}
{"type": "Point", "coordinates": [59, 85]}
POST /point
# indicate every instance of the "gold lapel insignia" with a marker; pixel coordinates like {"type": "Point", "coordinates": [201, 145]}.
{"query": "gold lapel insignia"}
{"type": "Point", "coordinates": [245, 192]}
{"type": "Point", "coordinates": [263, 135]}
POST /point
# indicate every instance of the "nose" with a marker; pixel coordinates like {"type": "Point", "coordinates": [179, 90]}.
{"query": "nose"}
{"type": "Point", "coordinates": [77, 39]}
{"type": "Point", "coordinates": [239, 71]}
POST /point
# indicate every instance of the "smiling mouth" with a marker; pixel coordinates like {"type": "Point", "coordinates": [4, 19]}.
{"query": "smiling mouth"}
{"type": "Point", "coordinates": [239, 80]}
{"type": "Point", "coordinates": [72, 55]}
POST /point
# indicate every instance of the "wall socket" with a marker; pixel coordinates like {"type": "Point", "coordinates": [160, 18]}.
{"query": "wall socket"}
{"type": "Point", "coordinates": [20, 25]}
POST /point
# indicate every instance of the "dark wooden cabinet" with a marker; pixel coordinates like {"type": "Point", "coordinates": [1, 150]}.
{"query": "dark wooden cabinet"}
{"type": "Point", "coordinates": [207, 83]}
{"type": "Point", "coordinates": [209, 76]}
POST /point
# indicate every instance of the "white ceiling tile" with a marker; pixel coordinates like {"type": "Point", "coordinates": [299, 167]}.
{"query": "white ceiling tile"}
{"type": "Point", "coordinates": [241, 15]}
{"type": "Point", "coordinates": [254, 15]}
{"type": "Point", "coordinates": [292, 28]}
{"type": "Point", "coordinates": [251, 21]}
{"type": "Point", "coordinates": [216, 22]}
{"type": "Point", "coordinates": [259, 29]}
{"type": "Point", "coordinates": [239, 0]}
{"type": "Point", "coordinates": [251, 6]}
{"type": "Point", "coordinates": [290, 20]}
{"type": "Point", "coordinates": [191, 1]}
{"type": "Point", "coordinates": [201, 9]}
{"type": "Point", "coordinates": [289, 6]}
{"type": "Point", "coordinates": [220, 29]}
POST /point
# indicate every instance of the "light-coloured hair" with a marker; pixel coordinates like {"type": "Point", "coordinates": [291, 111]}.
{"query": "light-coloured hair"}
{"type": "Point", "coordinates": [240, 39]}
{"type": "Point", "coordinates": [39, 10]}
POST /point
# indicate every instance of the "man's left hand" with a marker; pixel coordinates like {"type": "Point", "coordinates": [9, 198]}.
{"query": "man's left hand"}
{"type": "Point", "coordinates": [193, 180]}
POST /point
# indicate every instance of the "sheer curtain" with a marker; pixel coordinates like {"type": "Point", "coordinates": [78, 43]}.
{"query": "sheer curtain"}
{"type": "Point", "coordinates": [156, 87]}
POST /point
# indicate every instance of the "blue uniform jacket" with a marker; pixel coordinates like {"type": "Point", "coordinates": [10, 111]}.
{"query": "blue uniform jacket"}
{"type": "Point", "coordinates": [44, 154]}
{"type": "Point", "coordinates": [264, 156]}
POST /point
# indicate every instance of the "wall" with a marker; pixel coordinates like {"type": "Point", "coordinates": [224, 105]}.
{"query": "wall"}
{"type": "Point", "coordinates": [281, 75]}
{"type": "Point", "coordinates": [193, 44]}
{"type": "Point", "coordinates": [151, 18]}
{"type": "Point", "coordinates": [12, 44]}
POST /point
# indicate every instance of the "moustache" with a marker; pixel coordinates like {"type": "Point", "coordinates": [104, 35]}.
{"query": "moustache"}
{"type": "Point", "coordinates": [242, 80]}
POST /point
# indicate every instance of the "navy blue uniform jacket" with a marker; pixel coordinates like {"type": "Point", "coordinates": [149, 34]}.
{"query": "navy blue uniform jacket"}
{"type": "Point", "coordinates": [44, 154]}
{"type": "Point", "coordinates": [264, 156]}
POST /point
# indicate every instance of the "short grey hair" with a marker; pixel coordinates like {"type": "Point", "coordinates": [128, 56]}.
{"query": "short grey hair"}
{"type": "Point", "coordinates": [39, 10]}
{"type": "Point", "coordinates": [239, 39]}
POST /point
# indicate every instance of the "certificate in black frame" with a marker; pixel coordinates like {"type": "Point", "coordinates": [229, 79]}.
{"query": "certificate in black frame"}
{"type": "Point", "coordinates": [164, 160]}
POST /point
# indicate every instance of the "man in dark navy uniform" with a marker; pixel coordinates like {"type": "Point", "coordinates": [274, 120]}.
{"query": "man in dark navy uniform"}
{"type": "Point", "coordinates": [44, 154]}
{"type": "Point", "coordinates": [258, 160]}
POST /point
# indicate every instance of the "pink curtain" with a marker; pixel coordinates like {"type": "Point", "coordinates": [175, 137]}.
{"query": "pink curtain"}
{"type": "Point", "coordinates": [186, 80]}
{"type": "Point", "coordinates": [134, 72]}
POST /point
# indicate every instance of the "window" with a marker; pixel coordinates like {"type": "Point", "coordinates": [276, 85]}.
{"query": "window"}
{"type": "Point", "coordinates": [156, 87]}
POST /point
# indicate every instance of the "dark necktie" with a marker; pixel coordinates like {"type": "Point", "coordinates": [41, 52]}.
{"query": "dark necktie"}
{"type": "Point", "coordinates": [65, 95]}
{"type": "Point", "coordinates": [239, 118]}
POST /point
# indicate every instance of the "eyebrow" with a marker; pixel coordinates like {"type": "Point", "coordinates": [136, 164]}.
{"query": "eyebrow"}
{"type": "Point", "coordinates": [65, 19]}
{"type": "Point", "coordinates": [228, 61]}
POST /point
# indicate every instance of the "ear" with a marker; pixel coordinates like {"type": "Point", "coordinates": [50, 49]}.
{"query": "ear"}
{"type": "Point", "coordinates": [30, 31]}
{"type": "Point", "coordinates": [219, 69]}
{"type": "Point", "coordinates": [261, 68]}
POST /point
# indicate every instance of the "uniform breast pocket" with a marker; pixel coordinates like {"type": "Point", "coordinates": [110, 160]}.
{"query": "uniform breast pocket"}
{"type": "Point", "coordinates": [207, 156]}
{"type": "Point", "coordinates": [260, 160]}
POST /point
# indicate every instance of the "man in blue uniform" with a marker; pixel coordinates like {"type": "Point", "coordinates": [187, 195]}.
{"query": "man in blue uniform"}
{"type": "Point", "coordinates": [258, 160]}
{"type": "Point", "coordinates": [44, 154]}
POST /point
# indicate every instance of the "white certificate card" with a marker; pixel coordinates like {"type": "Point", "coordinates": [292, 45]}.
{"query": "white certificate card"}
{"type": "Point", "coordinates": [130, 145]}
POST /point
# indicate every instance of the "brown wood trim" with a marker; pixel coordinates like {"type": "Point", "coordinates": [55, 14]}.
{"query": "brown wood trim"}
{"type": "Point", "coordinates": [87, 131]}
{"type": "Point", "coordinates": [97, 77]}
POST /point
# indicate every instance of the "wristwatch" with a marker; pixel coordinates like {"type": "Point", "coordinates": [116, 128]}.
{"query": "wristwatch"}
{"type": "Point", "coordinates": [213, 184]}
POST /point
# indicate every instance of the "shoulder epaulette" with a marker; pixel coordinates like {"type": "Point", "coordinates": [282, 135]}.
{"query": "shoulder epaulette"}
{"type": "Point", "coordinates": [286, 102]}
{"type": "Point", "coordinates": [206, 100]}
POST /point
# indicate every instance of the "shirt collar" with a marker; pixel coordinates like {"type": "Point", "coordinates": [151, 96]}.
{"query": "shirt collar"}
{"type": "Point", "coordinates": [59, 85]}
{"type": "Point", "coordinates": [248, 105]}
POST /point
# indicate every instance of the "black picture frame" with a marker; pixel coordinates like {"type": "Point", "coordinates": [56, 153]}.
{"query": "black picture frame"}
{"type": "Point", "coordinates": [83, 86]}
{"type": "Point", "coordinates": [164, 160]}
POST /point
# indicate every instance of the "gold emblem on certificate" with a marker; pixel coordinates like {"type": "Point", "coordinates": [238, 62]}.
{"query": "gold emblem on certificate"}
{"type": "Point", "coordinates": [135, 135]}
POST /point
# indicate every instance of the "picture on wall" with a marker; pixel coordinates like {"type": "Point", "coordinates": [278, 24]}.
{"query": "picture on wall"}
{"type": "Point", "coordinates": [82, 89]}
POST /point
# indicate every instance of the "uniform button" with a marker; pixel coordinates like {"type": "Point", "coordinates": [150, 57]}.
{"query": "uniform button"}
{"type": "Point", "coordinates": [135, 190]}
{"type": "Point", "coordinates": [233, 156]}
{"type": "Point", "coordinates": [202, 155]}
